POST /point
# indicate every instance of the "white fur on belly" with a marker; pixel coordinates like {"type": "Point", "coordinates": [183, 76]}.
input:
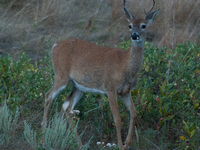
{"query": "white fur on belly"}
{"type": "Point", "coordinates": [89, 90]}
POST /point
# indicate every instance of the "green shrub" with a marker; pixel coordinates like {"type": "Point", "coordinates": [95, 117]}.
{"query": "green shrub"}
{"type": "Point", "coordinates": [8, 124]}
{"type": "Point", "coordinates": [24, 84]}
{"type": "Point", "coordinates": [56, 136]}
{"type": "Point", "coordinates": [165, 103]}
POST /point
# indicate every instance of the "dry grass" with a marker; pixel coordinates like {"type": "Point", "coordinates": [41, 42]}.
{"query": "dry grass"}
{"type": "Point", "coordinates": [26, 25]}
{"type": "Point", "coordinates": [184, 27]}
{"type": "Point", "coordinates": [186, 21]}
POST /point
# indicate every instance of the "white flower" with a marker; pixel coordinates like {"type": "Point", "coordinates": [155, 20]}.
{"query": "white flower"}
{"type": "Point", "coordinates": [109, 145]}
{"type": "Point", "coordinates": [98, 143]}
{"type": "Point", "coordinates": [74, 112]}
{"type": "Point", "coordinates": [113, 144]}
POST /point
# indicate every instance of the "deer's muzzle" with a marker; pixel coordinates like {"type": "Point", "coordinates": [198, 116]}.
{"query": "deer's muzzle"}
{"type": "Point", "coordinates": [135, 36]}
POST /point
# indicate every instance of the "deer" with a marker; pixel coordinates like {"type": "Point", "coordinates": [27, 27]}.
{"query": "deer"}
{"type": "Point", "coordinates": [97, 69]}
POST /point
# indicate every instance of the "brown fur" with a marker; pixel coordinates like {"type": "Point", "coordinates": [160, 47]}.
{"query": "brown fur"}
{"type": "Point", "coordinates": [96, 64]}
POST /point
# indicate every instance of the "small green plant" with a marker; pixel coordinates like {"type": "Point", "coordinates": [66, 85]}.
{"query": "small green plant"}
{"type": "Point", "coordinates": [190, 140]}
{"type": "Point", "coordinates": [124, 44]}
{"type": "Point", "coordinates": [23, 83]}
{"type": "Point", "coordinates": [57, 135]}
{"type": "Point", "coordinates": [8, 124]}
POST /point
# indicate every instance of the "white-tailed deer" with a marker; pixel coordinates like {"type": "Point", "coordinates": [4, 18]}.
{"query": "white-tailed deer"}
{"type": "Point", "coordinates": [97, 69]}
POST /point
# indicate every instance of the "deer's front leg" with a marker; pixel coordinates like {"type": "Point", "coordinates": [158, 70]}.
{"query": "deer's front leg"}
{"type": "Point", "coordinates": [112, 97]}
{"type": "Point", "coordinates": [127, 100]}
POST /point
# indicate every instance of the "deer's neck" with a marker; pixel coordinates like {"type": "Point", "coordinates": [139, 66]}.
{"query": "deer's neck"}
{"type": "Point", "coordinates": [136, 52]}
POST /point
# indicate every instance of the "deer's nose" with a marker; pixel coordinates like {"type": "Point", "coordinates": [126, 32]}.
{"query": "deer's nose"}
{"type": "Point", "coordinates": [135, 36]}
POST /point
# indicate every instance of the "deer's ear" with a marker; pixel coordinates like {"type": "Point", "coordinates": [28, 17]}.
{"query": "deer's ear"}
{"type": "Point", "coordinates": [150, 17]}
{"type": "Point", "coordinates": [128, 14]}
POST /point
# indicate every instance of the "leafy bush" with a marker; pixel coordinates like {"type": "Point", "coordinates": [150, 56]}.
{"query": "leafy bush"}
{"type": "Point", "coordinates": [174, 100]}
{"type": "Point", "coordinates": [22, 84]}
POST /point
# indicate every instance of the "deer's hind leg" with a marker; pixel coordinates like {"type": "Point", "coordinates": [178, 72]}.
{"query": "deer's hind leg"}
{"type": "Point", "coordinates": [68, 107]}
{"type": "Point", "coordinates": [58, 86]}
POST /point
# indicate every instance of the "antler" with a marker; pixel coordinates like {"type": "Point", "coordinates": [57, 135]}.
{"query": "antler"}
{"type": "Point", "coordinates": [124, 3]}
{"type": "Point", "coordinates": [149, 9]}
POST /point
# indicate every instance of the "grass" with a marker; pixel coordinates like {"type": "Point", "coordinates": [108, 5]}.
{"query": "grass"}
{"type": "Point", "coordinates": [24, 26]}
{"type": "Point", "coordinates": [57, 135]}
{"type": "Point", "coordinates": [8, 125]}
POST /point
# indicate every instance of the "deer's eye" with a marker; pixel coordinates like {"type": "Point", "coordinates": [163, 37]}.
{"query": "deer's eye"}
{"type": "Point", "coordinates": [130, 26]}
{"type": "Point", "coordinates": [143, 26]}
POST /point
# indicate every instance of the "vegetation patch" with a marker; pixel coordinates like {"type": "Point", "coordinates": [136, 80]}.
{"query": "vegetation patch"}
{"type": "Point", "coordinates": [166, 97]}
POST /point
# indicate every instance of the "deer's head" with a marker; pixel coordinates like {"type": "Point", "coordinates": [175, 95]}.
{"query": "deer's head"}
{"type": "Point", "coordinates": [137, 26]}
